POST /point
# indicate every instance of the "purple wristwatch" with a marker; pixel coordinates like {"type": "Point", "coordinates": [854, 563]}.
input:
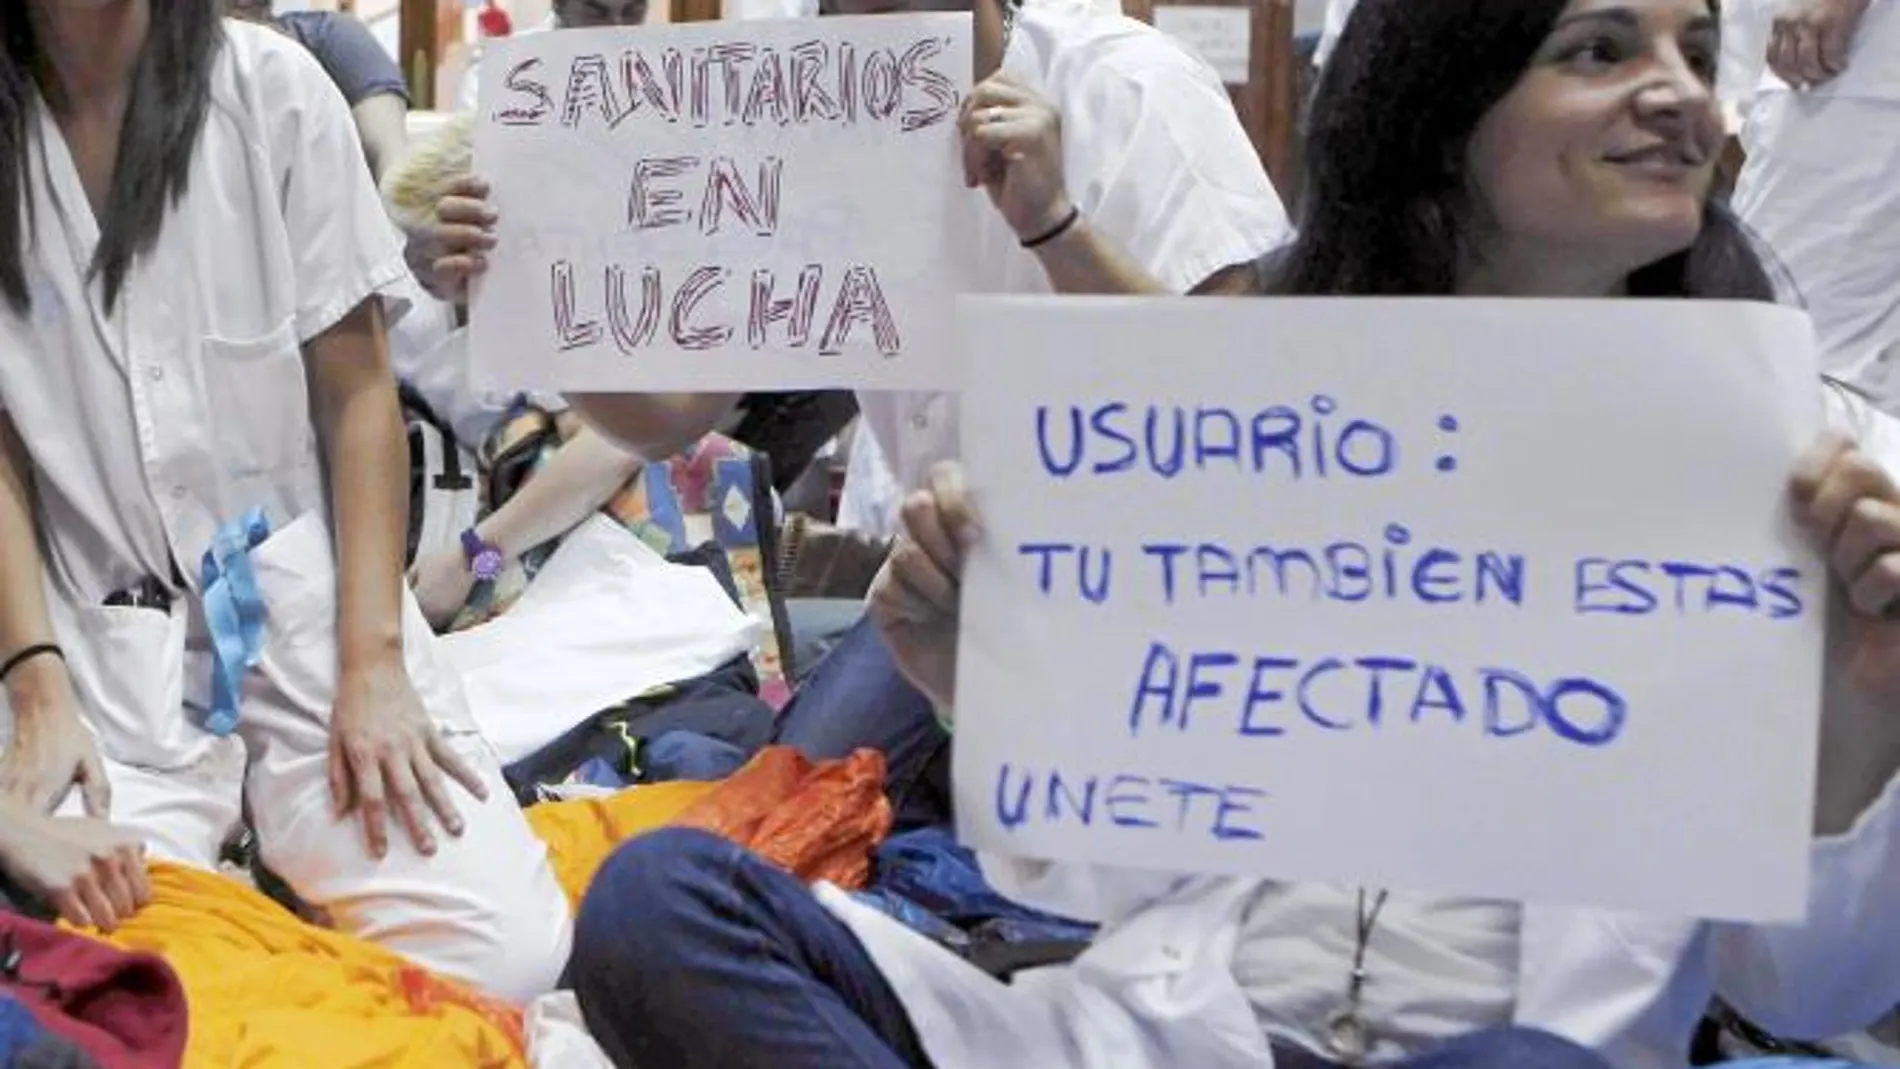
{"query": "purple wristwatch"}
{"type": "Point", "coordinates": [484, 558]}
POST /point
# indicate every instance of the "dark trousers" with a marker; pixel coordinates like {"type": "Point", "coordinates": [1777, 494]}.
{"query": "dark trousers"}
{"type": "Point", "coordinates": [692, 953]}
{"type": "Point", "coordinates": [856, 698]}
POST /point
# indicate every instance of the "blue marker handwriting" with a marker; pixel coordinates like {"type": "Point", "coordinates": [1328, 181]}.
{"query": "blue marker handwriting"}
{"type": "Point", "coordinates": [1305, 441]}
{"type": "Point", "coordinates": [1268, 695]}
{"type": "Point", "coordinates": [1393, 569]}
{"type": "Point", "coordinates": [1027, 796]}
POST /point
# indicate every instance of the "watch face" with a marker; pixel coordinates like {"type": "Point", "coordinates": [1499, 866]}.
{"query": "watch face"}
{"type": "Point", "coordinates": [487, 565]}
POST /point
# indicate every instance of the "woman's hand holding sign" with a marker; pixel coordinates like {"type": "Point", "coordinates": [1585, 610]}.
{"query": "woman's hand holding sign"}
{"type": "Point", "coordinates": [1852, 507]}
{"type": "Point", "coordinates": [916, 601]}
{"type": "Point", "coordinates": [1012, 147]}
{"type": "Point", "coordinates": [454, 249]}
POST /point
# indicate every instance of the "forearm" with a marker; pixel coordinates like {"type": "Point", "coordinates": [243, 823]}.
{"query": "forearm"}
{"type": "Point", "coordinates": [359, 423]}
{"type": "Point", "coordinates": [381, 124]}
{"type": "Point", "coordinates": [581, 477]}
{"type": "Point", "coordinates": [23, 617]}
{"type": "Point", "coordinates": [1083, 261]}
{"type": "Point", "coordinates": [656, 426]}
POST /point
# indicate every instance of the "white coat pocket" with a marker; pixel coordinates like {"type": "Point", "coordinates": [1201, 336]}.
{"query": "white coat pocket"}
{"type": "Point", "coordinates": [128, 671]}
{"type": "Point", "coordinates": [260, 404]}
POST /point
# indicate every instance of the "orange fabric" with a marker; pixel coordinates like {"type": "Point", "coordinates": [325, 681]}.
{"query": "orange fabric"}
{"type": "Point", "coordinates": [820, 822]}
{"type": "Point", "coordinates": [269, 991]}
{"type": "Point", "coordinates": [581, 833]}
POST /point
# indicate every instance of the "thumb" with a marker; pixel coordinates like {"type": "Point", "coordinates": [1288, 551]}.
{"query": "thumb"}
{"type": "Point", "coordinates": [95, 791]}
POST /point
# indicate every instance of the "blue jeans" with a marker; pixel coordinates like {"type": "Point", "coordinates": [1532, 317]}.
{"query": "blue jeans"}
{"type": "Point", "coordinates": [692, 953]}
{"type": "Point", "coordinates": [857, 698]}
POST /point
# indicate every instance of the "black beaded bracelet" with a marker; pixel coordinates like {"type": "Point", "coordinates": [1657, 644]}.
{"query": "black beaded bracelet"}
{"type": "Point", "coordinates": [38, 649]}
{"type": "Point", "coordinates": [1056, 231]}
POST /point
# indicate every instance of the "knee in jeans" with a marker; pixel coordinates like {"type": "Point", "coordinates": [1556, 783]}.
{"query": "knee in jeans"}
{"type": "Point", "coordinates": [629, 919]}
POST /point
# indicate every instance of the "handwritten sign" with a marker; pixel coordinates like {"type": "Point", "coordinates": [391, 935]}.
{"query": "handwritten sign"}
{"type": "Point", "coordinates": [770, 206]}
{"type": "Point", "coordinates": [1222, 36]}
{"type": "Point", "coordinates": [1481, 598]}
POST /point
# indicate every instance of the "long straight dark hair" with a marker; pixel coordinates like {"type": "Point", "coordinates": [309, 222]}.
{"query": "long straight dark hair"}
{"type": "Point", "coordinates": [171, 93]}
{"type": "Point", "coordinates": [1385, 209]}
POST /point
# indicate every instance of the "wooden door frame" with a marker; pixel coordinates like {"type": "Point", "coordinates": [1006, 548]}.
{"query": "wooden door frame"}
{"type": "Point", "coordinates": [418, 42]}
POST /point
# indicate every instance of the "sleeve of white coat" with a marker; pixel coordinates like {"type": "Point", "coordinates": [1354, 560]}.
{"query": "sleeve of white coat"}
{"type": "Point", "coordinates": [1094, 894]}
{"type": "Point", "coordinates": [345, 247]}
{"type": "Point", "coordinates": [1840, 970]}
{"type": "Point", "coordinates": [1166, 171]}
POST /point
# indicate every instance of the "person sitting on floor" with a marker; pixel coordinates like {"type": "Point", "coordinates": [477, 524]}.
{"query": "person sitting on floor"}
{"type": "Point", "coordinates": [1503, 180]}
{"type": "Point", "coordinates": [203, 483]}
{"type": "Point", "coordinates": [1169, 173]}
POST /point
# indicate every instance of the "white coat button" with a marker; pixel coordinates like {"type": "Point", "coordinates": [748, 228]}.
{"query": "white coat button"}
{"type": "Point", "coordinates": [920, 421]}
{"type": "Point", "coordinates": [156, 374]}
{"type": "Point", "coordinates": [179, 492]}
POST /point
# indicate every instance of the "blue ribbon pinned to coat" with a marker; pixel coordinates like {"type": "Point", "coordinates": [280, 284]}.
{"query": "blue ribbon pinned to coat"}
{"type": "Point", "coordinates": [234, 614]}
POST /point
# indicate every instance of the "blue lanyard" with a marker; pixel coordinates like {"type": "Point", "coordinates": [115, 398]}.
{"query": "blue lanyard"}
{"type": "Point", "coordinates": [234, 614]}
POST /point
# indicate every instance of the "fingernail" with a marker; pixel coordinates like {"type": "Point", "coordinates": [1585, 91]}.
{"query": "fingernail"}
{"type": "Point", "coordinates": [455, 827]}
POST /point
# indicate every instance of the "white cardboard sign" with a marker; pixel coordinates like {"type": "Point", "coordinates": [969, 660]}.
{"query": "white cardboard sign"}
{"type": "Point", "coordinates": [1478, 598]}
{"type": "Point", "coordinates": [769, 205]}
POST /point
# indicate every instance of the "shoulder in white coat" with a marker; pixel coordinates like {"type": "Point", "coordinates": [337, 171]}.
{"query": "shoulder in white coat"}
{"type": "Point", "coordinates": [1153, 149]}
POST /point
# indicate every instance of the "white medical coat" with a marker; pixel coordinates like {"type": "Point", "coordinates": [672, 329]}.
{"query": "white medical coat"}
{"type": "Point", "coordinates": [1156, 990]}
{"type": "Point", "coordinates": [1157, 161]}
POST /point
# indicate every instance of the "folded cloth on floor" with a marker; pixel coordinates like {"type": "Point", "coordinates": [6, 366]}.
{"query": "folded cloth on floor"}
{"type": "Point", "coordinates": [26, 1044]}
{"type": "Point", "coordinates": [819, 821]}
{"type": "Point", "coordinates": [605, 617]}
{"type": "Point", "coordinates": [125, 1010]}
{"type": "Point", "coordinates": [268, 991]}
{"type": "Point", "coordinates": [928, 872]}
{"type": "Point", "coordinates": [722, 705]}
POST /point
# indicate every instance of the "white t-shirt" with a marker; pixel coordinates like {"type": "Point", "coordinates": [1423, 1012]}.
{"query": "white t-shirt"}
{"type": "Point", "coordinates": [1156, 160]}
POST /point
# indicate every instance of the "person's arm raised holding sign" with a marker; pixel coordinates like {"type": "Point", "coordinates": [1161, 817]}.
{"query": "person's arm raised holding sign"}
{"type": "Point", "coordinates": [1012, 148]}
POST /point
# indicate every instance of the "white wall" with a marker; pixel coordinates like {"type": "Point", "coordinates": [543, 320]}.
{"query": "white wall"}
{"type": "Point", "coordinates": [1309, 14]}
{"type": "Point", "coordinates": [382, 15]}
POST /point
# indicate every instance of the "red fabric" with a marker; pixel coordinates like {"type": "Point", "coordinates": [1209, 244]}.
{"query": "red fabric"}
{"type": "Point", "coordinates": [817, 821]}
{"type": "Point", "coordinates": [125, 1010]}
{"type": "Point", "coordinates": [494, 22]}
